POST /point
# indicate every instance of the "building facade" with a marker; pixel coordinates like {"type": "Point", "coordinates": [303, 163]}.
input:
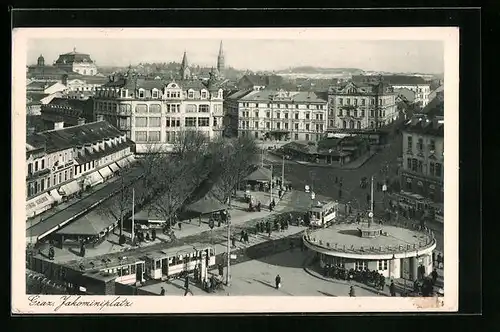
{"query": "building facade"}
{"type": "Point", "coordinates": [154, 112]}
{"type": "Point", "coordinates": [277, 115]}
{"type": "Point", "coordinates": [80, 63]}
{"type": "Point", "coordinates": [361, 106]}
{"type": "Point", "coordinates": [423, 158]}
{"type": "Point", "coordinates": [417, 84]}
{"type": "Point", "coordinates": [64, 161]}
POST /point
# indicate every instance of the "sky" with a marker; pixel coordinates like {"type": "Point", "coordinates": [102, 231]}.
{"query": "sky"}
{"type": "Point", "coordinates": [422, 56]}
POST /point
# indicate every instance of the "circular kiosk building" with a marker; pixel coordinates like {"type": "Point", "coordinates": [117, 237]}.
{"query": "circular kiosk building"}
{"type": "Point", "coordinates": [394, 251]}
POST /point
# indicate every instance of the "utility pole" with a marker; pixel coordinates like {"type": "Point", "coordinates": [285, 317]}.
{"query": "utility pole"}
{"type": "Point", "coordinates": [228, 249]}
{"type": "Point", "coordinates": [283, 173]}
{"type": "Point", "coordinates": [372, 202]}
{"type": "Point", "coordinates": [271, 185]}
{"type": "Point", "coordinates": [133, 209]}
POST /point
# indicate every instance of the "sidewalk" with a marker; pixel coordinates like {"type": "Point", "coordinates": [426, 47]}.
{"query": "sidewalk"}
{"type": "Point", "coordinates": [239, 219]}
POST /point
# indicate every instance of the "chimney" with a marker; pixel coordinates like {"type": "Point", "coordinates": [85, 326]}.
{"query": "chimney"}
{"type": "Point", "coordinates": [81, 121]}
{"type": "Point", "coordinates": [100, 117]}
{"type": "Point", "coordinates": [58, 125]}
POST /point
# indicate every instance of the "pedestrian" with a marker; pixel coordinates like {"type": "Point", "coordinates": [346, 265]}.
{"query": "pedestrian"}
{"type": "Point", "coordinates": [278, 281]}
{"type": "Point", "coordinates": [242, 236]}
{"type": "Point", "coordinates": [221, 269]}
{"type": "Point", "coordinates": [434, 276]}
{"type": "Point", "coordinates": [186, 283]}
{"type": "Point", "coordinates": [273, 203]}
{"type": "Point", "coordinates": [153, 234]}
{"type": "Point", "coordinates": [180, 225]}
{"type": "Point", "coordinates": [270, 207]}
{"type": "Point", "coordinates": [392, 289]}
{"type": "Point", "coordinates": [351, 292]}
{"type": "Point", "coordinates": [162, 292]}
{"type": "Point", "coordinates": [199, 221]}
{"type": "Point", "coordinates": [233, 241]}
{"type": "Point", "coordinates": [439, 258]}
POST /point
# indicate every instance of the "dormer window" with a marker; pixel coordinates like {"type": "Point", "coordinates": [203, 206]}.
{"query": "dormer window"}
{"type": "Point", "coordinates": [155, 93]}
{"type": "Point", "coordinates": [142, 93]}
{"type": "Point", "coordinates": [190, 94]}
{"type": "Point", "coordinates": [204, 94]}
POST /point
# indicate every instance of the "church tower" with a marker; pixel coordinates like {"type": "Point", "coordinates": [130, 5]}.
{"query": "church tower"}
{"type": "Point", "coordinates": [185, 73]}
{"type": "Point", "coordinates": [220, 60]}
{"type": "Point", "coordinates": [41, 61]}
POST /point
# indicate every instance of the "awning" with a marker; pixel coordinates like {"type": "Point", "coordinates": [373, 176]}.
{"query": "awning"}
{"type": "Point", "coordinates": [114, 167]}
{"type": "Point", "coordinates": [122, 162]}
{"type": "Point", "coordinates": [261, 174]}
{"type": "Point", "coordinates": [70, 188]}
{"type": "Point", "coordinates": [206, 205]}
{"type": "Point", "coordinates": [55, 195]}
{"type": "Point", "coordinates": [105, 172]}
{"type": "Point", "coordinates": [95, 178]}
{"type": "Point", "coordinates": [38, 204]}
{"type": "Point", "coordinates": [131, 158]}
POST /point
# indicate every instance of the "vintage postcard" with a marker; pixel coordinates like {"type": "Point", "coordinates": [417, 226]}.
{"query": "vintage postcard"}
{"type": "Point", "coordinates": [232, 169]}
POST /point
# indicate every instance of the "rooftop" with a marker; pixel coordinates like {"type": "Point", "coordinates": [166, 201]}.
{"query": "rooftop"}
{"type": "Point", "coordinates": [149, 84]}
{"type": "Point", "coordinates": [391, 79]}
{"type": "Point", "coordinates": [283, 96]}
{"type": "Point", "coordinates": [424, 126]}
{"type": "Point", "coordinates": [73, 57]}
{"type": "Point", "coordinates": [69, 137]}
{"type": "Point", "coordinates": [345, 238]}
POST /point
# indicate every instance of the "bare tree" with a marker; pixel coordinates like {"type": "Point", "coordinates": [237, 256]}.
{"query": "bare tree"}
{"type": "Point", "coordinates": [235, 161]}
{"type": "Point", "coordinates": [118, 206]}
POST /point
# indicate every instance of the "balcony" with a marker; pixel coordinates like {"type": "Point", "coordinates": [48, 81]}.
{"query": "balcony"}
{"type": "Point", "coordinates": [36, 174]}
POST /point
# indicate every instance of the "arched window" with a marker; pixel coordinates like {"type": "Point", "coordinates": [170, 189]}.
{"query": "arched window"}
{"type": "Point", "coordinates": [344, 124]}
{"type": "Point", "coordinates": [358, 124]}
{"type": "Point", "coordinates": [372, 124]}
{"type": "Point", "coordinates": [351, 124]}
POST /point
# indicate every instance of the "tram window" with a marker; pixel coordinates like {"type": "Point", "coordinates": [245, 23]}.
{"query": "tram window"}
{"type": "Point", "coordinates": [126, 270]}
{"type": "Point", "coordinates": [170, 261]}
{"type": "Point", "coordinates": [132, 269]}
{"type": "Point", "coordinates": [157, 264]}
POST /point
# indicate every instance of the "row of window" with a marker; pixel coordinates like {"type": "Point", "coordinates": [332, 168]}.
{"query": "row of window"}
{"type": "Point", "coordinates": [155, 94]}
{"type": "Point", "coordinates": [285, 106]}
{"type": "Point", "coordinates": [41, 185]}
{"type": "Point", "coordinates": [415, 165]}
{"type": "Point", "coordinates": [361, 102]}
{"type": "Point", "coordinates": [54, 159]}
{"type": "Point", "coordinates": [361, 113]}
{"type": "Point", "coordinates": [307, 137]}
{"type": "Point", "coordinates": [317, 116]}
{"type": "Point", "coordinates": [246, 125]}
{"type": "Point", "coordinates": [420, 144]}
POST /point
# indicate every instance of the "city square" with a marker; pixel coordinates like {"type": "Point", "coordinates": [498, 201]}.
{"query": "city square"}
{"type": "Point", "coordinates": [197, 178]}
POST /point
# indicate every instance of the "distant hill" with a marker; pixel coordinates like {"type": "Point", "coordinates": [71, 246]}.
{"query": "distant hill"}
{"type": "Point", "coordinates": [319, 70]}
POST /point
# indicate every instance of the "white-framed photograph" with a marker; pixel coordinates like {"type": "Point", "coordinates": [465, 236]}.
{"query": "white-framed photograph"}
{"type": "Point", "coordinates": [233, 168]}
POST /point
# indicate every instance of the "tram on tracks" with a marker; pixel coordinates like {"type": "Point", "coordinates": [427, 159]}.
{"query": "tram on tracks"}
{"type": "Point", "coordinates": [322, 213]}
{"type": "Point", "coordinates": [176, 262]}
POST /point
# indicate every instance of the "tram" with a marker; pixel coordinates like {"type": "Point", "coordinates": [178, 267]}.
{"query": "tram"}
{"type": "Point", "coordinates": [322, 213]}
{"type": "Point", "coordinates": [173, 262]}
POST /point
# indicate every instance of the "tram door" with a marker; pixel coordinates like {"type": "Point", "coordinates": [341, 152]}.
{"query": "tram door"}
{"type": "Point", "coordinates": [405, 268]}
{"type": "Point", "coordinates": [138, 272]}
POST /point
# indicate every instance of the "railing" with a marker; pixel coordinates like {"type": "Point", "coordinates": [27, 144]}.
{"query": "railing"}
{"type": "Point", "coordinates": [397, 249]}
{"type": "Point", "coordinates": [36, 174]}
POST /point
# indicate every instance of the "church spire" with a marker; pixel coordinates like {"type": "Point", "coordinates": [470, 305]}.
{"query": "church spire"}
{"type": "Point", "coordinates": [185, 73]}
{"type": "Point", "coordinates": [221, 60]}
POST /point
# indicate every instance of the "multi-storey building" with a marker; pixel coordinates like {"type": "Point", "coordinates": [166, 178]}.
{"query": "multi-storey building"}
{"type": "Point", "coordinates": [280, 115]}
{"type": "Point", "coordinates": [80, 63]}
{"type": "Point", "coordinates": [153, 112]}
{"type": "Point", "coordinates": [423, 158]}
{"type": "Point", "coordinates": [417, 84]}
{"type": "Point", "coordinates": [65, 161]}
{"type": "Point", "coordinates": [361, 105]}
